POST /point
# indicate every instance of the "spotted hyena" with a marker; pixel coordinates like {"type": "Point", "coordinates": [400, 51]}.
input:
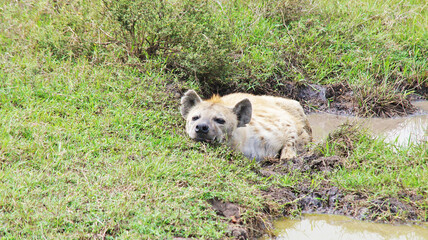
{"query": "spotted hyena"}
{"type": "Point", "coordinates": [258, 126]}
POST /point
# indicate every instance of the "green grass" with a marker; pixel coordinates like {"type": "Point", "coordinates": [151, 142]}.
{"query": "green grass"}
{"type": "Point", "coordinates": [87, 152]}
{"type": "Point", "coordinates": [91, 140]}
{"type": "Point", "coordinates": [378, 170]}
{"type": "Point", "coordinates": [376, 166]}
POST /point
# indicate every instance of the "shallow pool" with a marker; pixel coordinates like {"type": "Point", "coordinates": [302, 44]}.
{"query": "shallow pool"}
{"type": "Point", "coordinates": [400, 130]}
{"type": "Point", "coordinates": [335, 227]}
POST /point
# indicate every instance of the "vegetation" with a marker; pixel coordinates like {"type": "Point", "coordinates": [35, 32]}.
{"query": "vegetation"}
{"type": "Point", "coordinates": [91, 141]}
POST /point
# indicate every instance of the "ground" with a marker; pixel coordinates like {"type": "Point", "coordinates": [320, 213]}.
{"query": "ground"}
{"type": "Point", "coordinates": [92, 144]}
{"type": "Point", "coordinates": [405, 206]}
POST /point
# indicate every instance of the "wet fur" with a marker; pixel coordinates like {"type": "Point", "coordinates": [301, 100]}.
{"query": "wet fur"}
{"type": "Point", "coordinates": [258, 126]}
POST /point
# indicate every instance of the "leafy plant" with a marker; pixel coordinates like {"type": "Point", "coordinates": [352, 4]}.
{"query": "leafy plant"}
{"type": "Point", "coordinates": [186, 33]}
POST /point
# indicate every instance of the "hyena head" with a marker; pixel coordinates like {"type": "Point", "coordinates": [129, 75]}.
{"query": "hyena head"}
{"type": "Point", "coordinates": [211, 120]}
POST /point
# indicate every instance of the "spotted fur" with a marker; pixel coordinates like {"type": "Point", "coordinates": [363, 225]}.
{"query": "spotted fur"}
{"type": "Point", "coordinates": [258, 126]}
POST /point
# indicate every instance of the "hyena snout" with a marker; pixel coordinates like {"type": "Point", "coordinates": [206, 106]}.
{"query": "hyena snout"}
{"type": "Point", "coordinates": [202, 128]}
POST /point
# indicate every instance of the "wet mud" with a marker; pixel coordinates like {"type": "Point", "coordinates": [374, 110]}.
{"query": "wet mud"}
{"type": "Point", "coordinates": [303, 198]}
{"type": "Point", "coordinates": [335, 98]}
{"type": "Point", "coordinates": [325, 199]}
{"type": "Point", "coordinates": [339, 98]}
{"type": "Point", "coordinates": [332, 200]}
{"type": "Point", "coordinates": [343, 99]}
{"type": "Point", "coordinates": [232, 215]}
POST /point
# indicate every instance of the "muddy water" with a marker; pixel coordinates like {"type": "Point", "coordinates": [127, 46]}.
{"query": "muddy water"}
{"type": "Point", "coordinates": [400, 130]}
{"type": "Point", "coordinates": [335, 227]}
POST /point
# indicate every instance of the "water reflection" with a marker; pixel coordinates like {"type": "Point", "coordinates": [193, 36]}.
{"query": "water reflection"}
{"type": "Point", "coordinates": [335, 227]}
{"type": "Point", "coordinates": [402, 130]}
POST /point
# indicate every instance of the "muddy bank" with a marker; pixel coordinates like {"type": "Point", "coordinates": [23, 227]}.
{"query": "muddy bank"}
{"type": "Point", "coordinates": [344, 99]}
{"type": "Point", "coordinates": [340, 98]}
{"type": "Point", "coordinates": [324, 198]}
{"type": "Point", "coordinates": [232, 216]}
{"type": "Point", "coordinates": [405, 206]}
{"type": "Point", "coordinates": [378, 99]}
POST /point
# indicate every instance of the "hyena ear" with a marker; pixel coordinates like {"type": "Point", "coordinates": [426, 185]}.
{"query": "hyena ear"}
{"type": "Point", "coordinates": [189, 100]}
{"type": "Point", "coordinates": [243, 110]}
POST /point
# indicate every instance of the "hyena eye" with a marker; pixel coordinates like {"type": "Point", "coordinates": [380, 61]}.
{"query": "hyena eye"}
{"type": "Point", "coordinates": [219, 120]}
{"type": "Point", "coordinates": [195, 118]}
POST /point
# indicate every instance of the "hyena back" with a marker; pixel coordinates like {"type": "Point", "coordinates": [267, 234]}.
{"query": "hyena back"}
{"type": "Point", "coordinates": [258, 126]}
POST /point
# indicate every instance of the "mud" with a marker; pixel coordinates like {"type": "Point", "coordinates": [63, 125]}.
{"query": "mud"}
{"type": "Point", "coordinates": [340, 98]}
{"type": "Point", "coordinates": [232, 216]}
{"type": "Point", "coordinates": [345, 100]}
{"type": "Point", "coordinates": [335, 98]}
{"type": "Point", "coordinates": [329, 199]}
{"type": "Point", "coordinates": [332, 200]}
{"type": "Point", "coordinates": [325, 198]}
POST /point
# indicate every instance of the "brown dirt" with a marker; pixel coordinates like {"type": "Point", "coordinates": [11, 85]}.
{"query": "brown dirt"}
{"type": "Point", "coordinates": [330, 199]}
{"type": "Point", "coordinates": [232, 215]}
{"type": "Point", "coordinates": [325, 198]}
{"type": "Point", "coordinates": [337, 99]}
{"type": "Point", "coordinates": [342, 98]}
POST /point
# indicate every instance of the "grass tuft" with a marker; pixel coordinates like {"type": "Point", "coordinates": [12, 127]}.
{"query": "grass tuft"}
{"type": "Point", "coordinates": [382, 99]}
{"type": "Point", "coordinates": [92, 144]}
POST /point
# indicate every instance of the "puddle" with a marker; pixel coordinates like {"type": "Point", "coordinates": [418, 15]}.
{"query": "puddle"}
{"type": "Point", "coordinates": [335, 227]}
{"type": "Point", "coordinates": [400, 130]}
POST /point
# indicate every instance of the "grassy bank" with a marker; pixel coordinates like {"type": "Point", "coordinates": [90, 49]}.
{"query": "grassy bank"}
{"type": "Point", "coordinates": [89, 151]}
{"type": "Point", "coordinates": [91, 140]}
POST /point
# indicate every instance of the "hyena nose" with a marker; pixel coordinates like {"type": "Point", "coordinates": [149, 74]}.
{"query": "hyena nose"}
{"type": "Point", "coordinates": [202, 128]}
